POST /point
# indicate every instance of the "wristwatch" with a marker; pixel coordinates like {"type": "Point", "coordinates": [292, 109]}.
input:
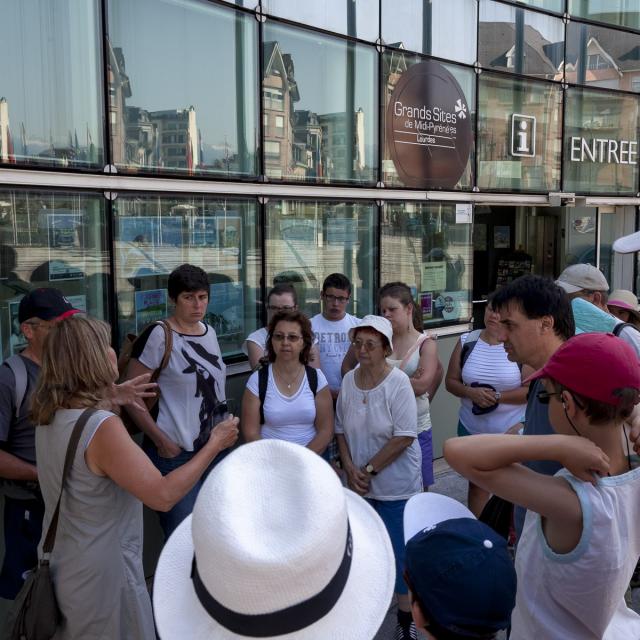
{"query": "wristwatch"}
{"type": "Point", "coordinates": [370, 470]}
{"type": "Point", "coordinates": [497, 395]}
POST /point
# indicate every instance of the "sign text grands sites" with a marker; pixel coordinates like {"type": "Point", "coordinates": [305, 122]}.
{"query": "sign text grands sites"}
{"type": "Point", "coordinates": [427, 121]}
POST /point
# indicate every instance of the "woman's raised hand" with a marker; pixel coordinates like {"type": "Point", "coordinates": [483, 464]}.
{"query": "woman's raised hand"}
{"type": "Point", "coordinates": [225, 433]}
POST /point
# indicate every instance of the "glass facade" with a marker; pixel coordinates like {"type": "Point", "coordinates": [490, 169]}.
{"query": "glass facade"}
{"type": "Point", "coordinates": [272, 140]}
{"type": "Point", "coordinates": [172, 108]}
{"type": "Point", "coordinates": [519, 134]}
{"type": "Point", "coordinates": [601, 142]}
{"type": "Point", "coordinates": [51, 239]}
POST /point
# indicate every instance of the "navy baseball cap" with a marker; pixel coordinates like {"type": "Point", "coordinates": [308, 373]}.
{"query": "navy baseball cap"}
{"type": "Point", "coordinates": [459, 568]}
{"type": "Point", "coordinates": [45, 304]}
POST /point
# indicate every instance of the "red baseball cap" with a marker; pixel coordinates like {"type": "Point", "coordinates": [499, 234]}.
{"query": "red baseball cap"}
{"type": "Point", "coordinates": [594, 365]}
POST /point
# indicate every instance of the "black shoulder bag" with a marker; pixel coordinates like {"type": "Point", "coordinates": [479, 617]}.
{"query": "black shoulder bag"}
{"type": "Point", "coordinates": [34, 614]}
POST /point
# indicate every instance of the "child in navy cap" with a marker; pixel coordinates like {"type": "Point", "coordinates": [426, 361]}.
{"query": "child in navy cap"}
{"type": "Point", "coordinates": [581, 540]}
{"type": "Point", "coordinates": [461, 577]}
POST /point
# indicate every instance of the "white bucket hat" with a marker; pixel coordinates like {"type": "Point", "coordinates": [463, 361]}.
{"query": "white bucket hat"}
{"type": "Point", "coordinates": [379, 324]}
{"type": "Point", "coordinates": [279, 549]}
{"type": "Point", "coordinates": [627, 244]}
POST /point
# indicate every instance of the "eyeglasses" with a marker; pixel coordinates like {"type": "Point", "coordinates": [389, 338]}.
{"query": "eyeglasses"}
{"type": "Point", "coordinates": [290, 337]}
{"type": "Point", "coordinates": [544, 396]}
{"type": "Point", "coordinates": [339, 299]}
{"type": "Point", "coordinates": [369, 345]}
{"type": "Point", "coordinates": [286, 307]}
{"type": "Point", "coordinates": [35, 325]}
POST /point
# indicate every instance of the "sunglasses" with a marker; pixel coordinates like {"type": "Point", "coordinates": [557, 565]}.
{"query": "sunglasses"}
{"type": "Point", "coordinates": [290, 337]}
{"type": "Point", "coordinates": [544, 396]}
{"type": "Point", "coordinates": [369, 345]}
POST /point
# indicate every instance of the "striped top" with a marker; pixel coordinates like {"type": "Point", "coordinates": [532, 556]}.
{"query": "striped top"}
{"type": "Point", "coordinates": [488, 364]}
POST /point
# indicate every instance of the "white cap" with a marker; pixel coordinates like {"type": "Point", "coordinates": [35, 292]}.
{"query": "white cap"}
{"type": "Point", "coordinates": [628, 244]}
{"type": "Point", "coordinates": [424, 510]}
{"type": "Point", "coordinates": [582, 276]}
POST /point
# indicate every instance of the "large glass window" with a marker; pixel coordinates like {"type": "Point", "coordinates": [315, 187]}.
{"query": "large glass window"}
{"type": "Point", "coordinates": [548, 5]}
{"type": "Point", "coordinates": [182, 87]}
{"type": "Point", "coordinates": [324, 90]}
{"type": "Point", "coordinates": [306, 241]}
{"type": "Point", "coordinates": [428, 246]}
{"type": "Point", "coordinates": [600, 142]}
{"type": "Point", "coordinates": [602, 57]}
{"type": "Point", "coordinates": [154, 235]}
{"type": "Point", "coordinates": [520, 41]}
{"type": "Point", "coordinates": [358, 18]}
{"type": "Point", "coordinates": [50, 84]}
{"type": "Point", "coordinates": [519, 134]}
{"type": "Point", "coordinates": [625, 13]}
{"type": "Point", "coordinates": [441, 28]}
{"type": "Point", "coordinates": [429, 122]}
{"type": "Point", "coordinates": [51, 239]}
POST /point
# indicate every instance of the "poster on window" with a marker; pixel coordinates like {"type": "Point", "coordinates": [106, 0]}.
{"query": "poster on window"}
{"type": "Point", "coordinates": [150, 306]}
{"type": "Point", "coordinates": [501, 237]}
{"type": "Point", "coordinates": [434, 276]}
{"type": "Point", "coordinates": [342, 232]}
{"type": "Point", "coordinates": [452, 305]}
{"type": "Point", "coordinates": [203, 232]}
{"type": "Point", "coordinates": [229, 240]}
{"type": "Point", "coordinates": [66, 255]}
{"type": "Point", "coordinates": [426, 305]}
{"type": "Point", "coordinates": [139, 253]}
{"type": "Point", "coordinates": [17, 342]}
{"type": "Point", "coordinates": [225, 309]}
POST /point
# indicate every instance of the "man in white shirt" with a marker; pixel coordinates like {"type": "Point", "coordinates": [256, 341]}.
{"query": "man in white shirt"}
{"type": "Point", "coordinates": [331, 328]}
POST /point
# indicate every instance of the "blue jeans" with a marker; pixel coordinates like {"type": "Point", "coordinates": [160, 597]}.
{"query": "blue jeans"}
{"type": "Point", "coordinates": [169, 520]}
{"type": "Point", "coordinates": [22, 531]}
{"type": "Point", "coordinates": [391, 512]}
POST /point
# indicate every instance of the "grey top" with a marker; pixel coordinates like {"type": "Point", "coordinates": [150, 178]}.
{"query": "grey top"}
{"type": "Point", "coordinates": [96, 561]}
{"type": "Point", "coordinates": [17, 436]}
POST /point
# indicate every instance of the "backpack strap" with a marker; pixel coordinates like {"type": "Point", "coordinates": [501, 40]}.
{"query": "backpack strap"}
{"type": "Point", "coordinates": [168, 346]}
{"type": "Point", "coordinates": [263, 381]}
{"type": "Point", "coordinates": [312, 379]}
{"type": "Point", "coordinates": [417, 345]}
{"type": "Point", "coordinates": [617, 330]}
{"type": "Point", "coordinates": [469, 345]}
{"type": "Point", "coordinates": [19, 369]}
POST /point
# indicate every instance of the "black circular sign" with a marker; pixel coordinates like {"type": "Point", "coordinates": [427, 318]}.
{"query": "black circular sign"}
{"type": "Point", "coordinates": [428, 127]}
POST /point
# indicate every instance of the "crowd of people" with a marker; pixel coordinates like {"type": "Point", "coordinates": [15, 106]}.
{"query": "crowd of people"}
{"type": "Point", "coordinates": [302, 518]}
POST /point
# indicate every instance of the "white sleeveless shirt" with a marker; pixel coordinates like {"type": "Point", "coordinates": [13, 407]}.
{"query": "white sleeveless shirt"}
{"type": "Point", "coordinates": [580, 594]}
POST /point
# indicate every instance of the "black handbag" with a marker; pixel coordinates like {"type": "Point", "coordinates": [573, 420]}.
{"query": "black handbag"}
{"type": "Point", "coordinates": [34, 614]}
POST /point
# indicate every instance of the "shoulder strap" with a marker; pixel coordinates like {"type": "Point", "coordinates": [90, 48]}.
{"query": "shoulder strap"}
{"type": "Point", "coordinates": [312, 378]}
{"type": "Point", "coordinates": [263, 381]}
{"type": "Point", "coordinates": [17, 365]}
{"type": "Point", "coordinates": [617, 330]}
{"type": "Point", "coordinates": [168, 346]}
{"type": "Point", "coordinates": [72, 447]}
{"type": "Point", "coordinates": [468, 346]}
{"type": "Point", "coordinates": [409, 353]}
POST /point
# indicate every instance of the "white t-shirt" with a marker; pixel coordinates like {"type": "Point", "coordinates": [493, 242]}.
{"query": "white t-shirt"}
{"type": "Point", "coordinates": [488, 363]}
{"type": "Point", "coordinates": [390, 410]}
{"type": "Point", "coordinates": [333, 342]}
{"type": "Point", "coordinates": [192, 385]}
{"type": "Point", "coordinates": [580, 594]}
{"type": "Point", "coordinates": [288, 418]}
{"type": "Point", "coordinates": [259, 336]}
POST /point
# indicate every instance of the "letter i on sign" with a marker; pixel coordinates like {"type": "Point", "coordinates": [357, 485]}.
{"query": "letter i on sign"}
{"type": "Point", "coordinates": [523, 135]}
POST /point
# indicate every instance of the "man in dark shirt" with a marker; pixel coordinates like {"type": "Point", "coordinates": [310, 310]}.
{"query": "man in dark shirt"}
{"type": "Point", "coordinates": [536, 318]}
{"type": "Point", "coordinates": [23, 506]}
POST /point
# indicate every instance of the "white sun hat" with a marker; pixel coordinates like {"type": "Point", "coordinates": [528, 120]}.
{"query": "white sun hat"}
{"type": "Point", "coordinates": [377, 323]}
{"type": "Point", "coordinates": [277, 549]}
{"type": "Point", "coordinates": [627, 244]}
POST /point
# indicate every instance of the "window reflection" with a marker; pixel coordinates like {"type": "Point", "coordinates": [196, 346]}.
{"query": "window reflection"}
{"type": "Point", "coordinates": [549, 5]}
{"type": "Point", "coordinates": [425, 246]}
{"type": "Point", "coordinates": [442, 28]}
{"type": "Point", "coordinates": [600, 142]}
{"type": "Point", "coordinates": [358, 18]}
{"type": "Point", "coordinates": [320, 121]}
{"type": "Point", "coordinates": [625, 13]}
{"type": "Point", "coordinates": [525, 42]}
{"type": "Point", "coordinates": [602, 57]}
{"type": "Point", "coordinates": [154, 235]}
{"type": "Point", "coordinates": [306, 241]}
{"type": "Point", "coordinates": [519, 134]}
{"type": "Point", "coordinates": [172, 108]}
{"type": "Point", "coordinates": [50, 84]}
{"type": "Point", "coordinates": [51, 239]}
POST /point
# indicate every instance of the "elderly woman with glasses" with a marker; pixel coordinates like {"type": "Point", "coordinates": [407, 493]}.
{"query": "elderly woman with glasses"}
{"type": "Point", "coordinates": [377, 434]}
{"type": "Point", "coordinates": [296, 405]}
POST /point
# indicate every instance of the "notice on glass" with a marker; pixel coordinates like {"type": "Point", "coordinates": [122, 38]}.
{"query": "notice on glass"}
{"type": "Point", "coordinates": [426, 305]}
{"type": "Point", "coordinates": [150, 306]}
{"type": "Point", "coordinates": [64, 230]}
{"type": "Point", "coordinates": [434, 276]}
{"type": "Point", "coordinates": [342, 231]}
{"type": "Point", "coordinates": [452, 305]}
{"type": "Point", "coordinates": [463, 213]}
{"type": "Point", "coordinates": [225, 309]}
{"type": "Point", "coordinates": [17, 341]}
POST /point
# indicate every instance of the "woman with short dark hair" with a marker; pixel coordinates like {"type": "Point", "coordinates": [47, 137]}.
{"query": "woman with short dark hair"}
{"type": "Point", "coordinates": [293, 410]}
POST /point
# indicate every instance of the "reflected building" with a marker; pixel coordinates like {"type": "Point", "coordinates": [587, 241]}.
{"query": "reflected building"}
{"type": "Point", "coordinates": [5, 134]}
{"type": "Point", "coordinates": [346, 141]}
{"type": "Point", "coordinates": [119, 91]}
{"type": "Point", "coordinates": [176, 138]}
